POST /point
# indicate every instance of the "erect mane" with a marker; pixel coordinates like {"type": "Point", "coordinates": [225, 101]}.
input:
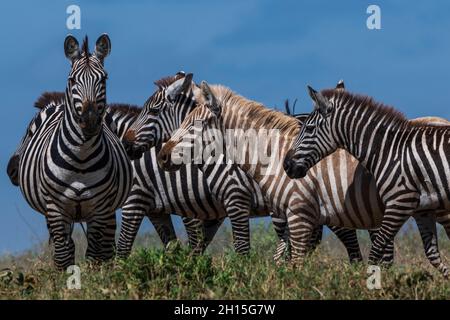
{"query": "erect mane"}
{"type": "Point", "coordinates": [259, 115]}
{"type": "Point", "coordinates": [362, 101]}
{"type": "Point", "coordinates": [167, 81]}
{"type": "Point", "coordinates": [125, 108]}
{"type": "Point", "coordinates": [388, 112]}
{"type": "Point", "coordinates": [85, 47]}
{"type": "Point", "coordinates": [47, 98]}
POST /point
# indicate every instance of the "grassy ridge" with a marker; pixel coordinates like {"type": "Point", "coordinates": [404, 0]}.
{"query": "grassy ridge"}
{"type": "Point", "coordinates": [151, 273]}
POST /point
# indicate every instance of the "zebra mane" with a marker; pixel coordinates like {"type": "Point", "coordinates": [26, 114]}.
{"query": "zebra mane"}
{"type": "Point", "coordinates": [167, 81]}
{"type": "Point", "coordinates": [362, 101]}
{"type": "Point", "coordinates": [85, 47]}
{"type": "Point", "coordinates": [125, 108]}
{"type": "Point", "coordinates": [391, 114]}
{"type": "Point", "coordinates": [47, 98]}
{"type": "Point", "coordinates": [259, 115]}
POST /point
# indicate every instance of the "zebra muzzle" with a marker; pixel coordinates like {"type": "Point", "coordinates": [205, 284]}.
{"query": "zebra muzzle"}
{"type": "Point", "coordinates": [293, 169]}
{"type": "Point", "coordinates": [133, 151]}
{"type": "Point", "coordinates": [90, 122]}
{"type": "Point", "coordinates": [13, 169]}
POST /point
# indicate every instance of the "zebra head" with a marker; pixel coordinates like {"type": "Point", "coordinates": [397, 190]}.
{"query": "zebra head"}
{"type": "Point", "coordinates": [162, 114]}
{"type": "Point", "coordinates": [205, 116]}
{"type": "Point", "coordinates": [86, 85]}
{"type": "Point", "coordinates": [315, 140]}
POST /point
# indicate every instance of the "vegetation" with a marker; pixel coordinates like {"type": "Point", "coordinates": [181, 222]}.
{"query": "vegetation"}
{"type": "Point", "coordinates": [151, 273]}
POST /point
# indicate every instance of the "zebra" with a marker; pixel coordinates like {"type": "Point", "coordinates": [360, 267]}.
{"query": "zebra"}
{"type": "Point", "coordinates": [162, 114]}
{"type": "Point", "coordinates": [408, 160]}
{"type": "Point", "coordinates": [338, 191]}
{"type": "Point", "coordinates": [74, 168]}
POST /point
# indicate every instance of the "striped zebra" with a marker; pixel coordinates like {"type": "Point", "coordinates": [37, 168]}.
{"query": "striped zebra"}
{"type": "Point", "coordinates": [74, 168]}
{"type": "Point", "coordinates": [163, 113]}
{"type": "Point", "coordinates": [408, 160]}
{"type": "Point", "coordinates": [338, 191]}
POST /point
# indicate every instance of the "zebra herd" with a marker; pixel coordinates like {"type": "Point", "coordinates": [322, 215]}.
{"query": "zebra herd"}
{"type": "Point", "coordinates": [350, 164]}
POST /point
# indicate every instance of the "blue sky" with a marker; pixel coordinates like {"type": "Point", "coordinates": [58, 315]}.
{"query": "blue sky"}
{"type": "Point", "coordinates": [265, 50]}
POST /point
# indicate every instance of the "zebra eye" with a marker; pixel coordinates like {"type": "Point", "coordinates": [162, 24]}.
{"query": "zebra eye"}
{"type": "Point", "coordinates": [153, 111]}
{"type": "Point", "coordinates": [309, 128]}
{"type": "Point", "coordinates": [78, 109]}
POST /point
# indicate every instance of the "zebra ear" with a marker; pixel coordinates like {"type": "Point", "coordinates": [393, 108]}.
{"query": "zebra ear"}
{"type": "Point", "coordinates": [210, 99]}
{"type": "Point", "coordinates": [102, 47]}
{"type": "Point", "coordinates": [320, 102]}
{"type": "Point", "coordinates": [179, 86]}
{"type": "Point", "coordinates": [71, 48]}
{"type": "Point", "coordinates": [340, 85]}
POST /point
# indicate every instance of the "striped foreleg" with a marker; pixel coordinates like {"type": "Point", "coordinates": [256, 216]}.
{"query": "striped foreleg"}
{"type": "Point", "coordinates": [283, 249]}
{"type": "Point", "coordinates": [60, 232]}
{"type": "Point", "coordinates": [393, 220]}
{"type": "Point", "coordinates": [133, 213]}
{"type": "Point", "coordinates": [388, 254]}
{"type": "Point", "coordinates": [301, 228]}
{"type": "Point", "coordinates": [101, 230]}
{"type": "Point", "coordinates": [240, 226]}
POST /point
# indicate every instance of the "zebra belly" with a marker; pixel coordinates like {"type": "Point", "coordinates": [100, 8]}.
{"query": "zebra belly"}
{"type": "Point", "coordinates": [347, 193]}
{"type": "Point", "coordinates": [184, 192]}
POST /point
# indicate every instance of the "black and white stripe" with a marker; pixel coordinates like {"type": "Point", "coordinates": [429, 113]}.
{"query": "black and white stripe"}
{"type": "Point", "coordinates": [409, 162]}
{"type": "Point", "coordinates": [74, 168]}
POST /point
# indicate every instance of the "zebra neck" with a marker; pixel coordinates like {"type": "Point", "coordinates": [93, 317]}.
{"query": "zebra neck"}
{"type": "Point", "coordinates": [71, 135]}
{"type": "Point", "coordinates": [184, 105]}
{"type": "Point", "coordinates": [370, 137]}
{"type": "Point", "coordinates": [123, 121]}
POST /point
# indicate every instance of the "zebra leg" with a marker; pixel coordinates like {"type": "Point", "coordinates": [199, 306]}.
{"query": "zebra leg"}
{"type": "Point", "coordinates": [283, 248]}
{"type": "Point", "coordinates": [101, 231]}
{"type": "Point", "coordinates": [164, 227]}
{"type": "Point", "coordinates": [393, 220]}
{"type": "Point", "coordinates": [350, 240]}
{"type": "Point", "coordinates": [196, 235]}
{"type": "Point", "coordinates": [240, 225]}
{"type": "Point", "coordinates": [64, 248]}
{"type": "Point", "coordinates": [300, 232]}
{"type": "Point", "coordinates": [388, 255]}
{"type": "Point", "coordinates": [427, 228]}
{"type": "Point", "coordinates": [132, 216]}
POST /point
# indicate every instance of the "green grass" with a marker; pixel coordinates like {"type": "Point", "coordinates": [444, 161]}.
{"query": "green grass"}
{"type": "Point", "coordinates": [151, 273]}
